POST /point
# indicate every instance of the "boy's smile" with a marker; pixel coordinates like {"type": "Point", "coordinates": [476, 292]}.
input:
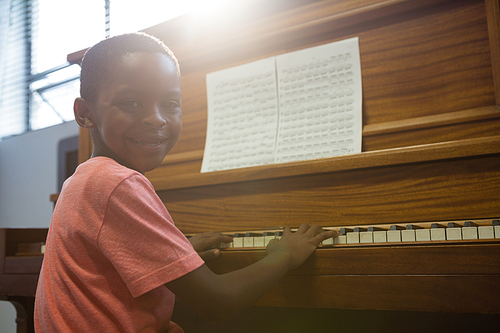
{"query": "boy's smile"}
{"type": "Point", "coordinates": [137, 117]}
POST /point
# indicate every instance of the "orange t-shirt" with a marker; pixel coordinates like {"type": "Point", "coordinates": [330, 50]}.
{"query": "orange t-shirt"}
{"type": "Point", "coordinates": [111, 247]}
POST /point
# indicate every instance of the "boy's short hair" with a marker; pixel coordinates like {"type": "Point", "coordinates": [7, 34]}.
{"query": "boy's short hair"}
{"type": "Point", "coordinates": [100, 57]}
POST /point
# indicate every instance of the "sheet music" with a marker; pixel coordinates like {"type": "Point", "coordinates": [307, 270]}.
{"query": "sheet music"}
{"type": "Point", "coordinates": [319, 102]}
{"type": "Point", "coordinates": [297, 106]}
{"type": "Point", "coordinates": [242, 116]}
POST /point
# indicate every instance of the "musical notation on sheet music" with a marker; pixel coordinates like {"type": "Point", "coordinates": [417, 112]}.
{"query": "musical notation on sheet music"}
{"type": "Point", "coordinates": [297, 106]}
{"type": "Point", "coordinates": [319, 102]}
{"type": "Point", "coordinates": [242, 117]}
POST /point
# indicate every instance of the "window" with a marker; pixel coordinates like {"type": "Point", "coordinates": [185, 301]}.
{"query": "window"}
{"type": "Point", "coordinates": [37, 85]}
{"type": "Point", "coordinates": [61, 27]}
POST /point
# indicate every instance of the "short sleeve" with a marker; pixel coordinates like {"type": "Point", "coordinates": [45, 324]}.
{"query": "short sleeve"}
{"type": "Point", "coordinates": [140, 239]}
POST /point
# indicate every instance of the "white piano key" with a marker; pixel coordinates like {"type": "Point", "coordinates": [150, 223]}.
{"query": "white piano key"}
{"type": "Point", "coordinates": [394, 234]}
{"type": "Point", "coordinates": [352, 237]}
{"type": "Point", "coordinates": [469, 230]}
{"type": "Point", "coordinates": [469, 233]}
{"type": "Point", "coordinates": [258, 241]}
{"type": "Point", "coordinates": [328, 241]}
{"type": "Point", "coordinates": [226, 245]}
{"type": "Point", "coordinates": [486, 232]}
{"type": "Point", "coordinates": [438, 232]}
{"type": "Point", "coordinates": [407, 235]}
{"type": "Point", "coordinates": [341, 239]}
{"type": "Point", "coordinates": [422, 235]}
{"type": "Point", "coordinates": [496, 227]}
{"type": "Point", "coordinates": [453, 232]}
{"type": "Point", "coordinates": [238, 241]}
{"type": "Point", "coordinates": [366, 237]}
{"type": "Point", "coordinates": [380, 236]}
{"type": "Point", "coordinates": [247, 241]}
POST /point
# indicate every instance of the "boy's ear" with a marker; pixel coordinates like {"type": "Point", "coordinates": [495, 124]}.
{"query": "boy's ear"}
{"type": "Point", "coordinates": [82, 113]}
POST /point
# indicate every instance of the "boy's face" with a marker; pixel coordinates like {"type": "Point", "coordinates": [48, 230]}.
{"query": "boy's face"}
{"type": "Point", "coordinates": [137, 116]}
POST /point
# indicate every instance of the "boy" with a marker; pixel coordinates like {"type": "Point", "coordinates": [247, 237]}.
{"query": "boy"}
{"type": "Point", "coordinates": [114, 258]}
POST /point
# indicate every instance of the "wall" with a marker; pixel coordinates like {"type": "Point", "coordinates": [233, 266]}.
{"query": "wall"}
{"type": "Point", "coordinates": [28, 176]}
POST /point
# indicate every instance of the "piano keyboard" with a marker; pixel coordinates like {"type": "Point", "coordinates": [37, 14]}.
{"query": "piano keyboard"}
{"type": "Point", "coordinates": [413, 233]}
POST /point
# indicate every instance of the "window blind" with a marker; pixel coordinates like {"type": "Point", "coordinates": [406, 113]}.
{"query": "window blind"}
{"type": "Point", "coordinates": [15, 63]}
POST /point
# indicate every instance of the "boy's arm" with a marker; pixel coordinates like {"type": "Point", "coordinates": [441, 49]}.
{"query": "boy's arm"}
{"type": "Point", "coordinates": [218, 297]}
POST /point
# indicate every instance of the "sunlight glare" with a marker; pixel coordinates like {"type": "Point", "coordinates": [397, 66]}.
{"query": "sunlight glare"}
{"type": "Point", "coordinates": [130, 15]}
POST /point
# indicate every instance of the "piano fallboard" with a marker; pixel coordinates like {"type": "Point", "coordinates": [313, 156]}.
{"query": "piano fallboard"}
{"type": "Point", "coordinates": [433, 277]}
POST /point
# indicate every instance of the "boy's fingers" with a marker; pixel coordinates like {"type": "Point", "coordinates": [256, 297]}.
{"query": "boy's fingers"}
{"type": "Point", "coordinates": [208, 239]}
{"type": "Point", "coordinates": [286, 230]}
{"type": "Point", "coordinates": [221, 237]}
{"type": "Point", "coordinates": [314, 230]}
{"type": "Point", "coordinates": [226, 239]}
{"type": "Point", "coordinates": [304, 227]}
{"type": "Point", "coordinates": [333, 234]}
{"type": "Point", "coordinates": [209, 255]}
{"type": "Point", "coordinates": [327, 234]}
{"type": "Point", "coordinates": [272, 241]}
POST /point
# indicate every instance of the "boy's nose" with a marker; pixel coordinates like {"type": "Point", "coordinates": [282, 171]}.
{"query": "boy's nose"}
{"type": "Point", "coordinates": [154, 119]}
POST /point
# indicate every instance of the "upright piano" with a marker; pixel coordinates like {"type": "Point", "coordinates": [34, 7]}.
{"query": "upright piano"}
{"type": "Point", "coordinates": [430, 155]}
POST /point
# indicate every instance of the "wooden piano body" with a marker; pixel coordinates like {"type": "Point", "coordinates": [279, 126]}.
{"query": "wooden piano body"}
{"type": "Point", "coordinates": [19, 272]}
{"type": "Point", "coordinates": [431, 150]}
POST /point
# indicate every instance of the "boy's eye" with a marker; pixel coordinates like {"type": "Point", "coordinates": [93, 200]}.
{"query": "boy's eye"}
{"type": "Point", "coordinates": [130, 105]}
{"type": "Point", "coordinates": [169, 105]}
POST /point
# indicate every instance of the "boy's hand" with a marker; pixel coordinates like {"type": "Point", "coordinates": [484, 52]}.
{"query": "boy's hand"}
{"type": "Point", "coordinates": [301, 244]}
{"type": "Point", "coordinates": [204, 241]}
